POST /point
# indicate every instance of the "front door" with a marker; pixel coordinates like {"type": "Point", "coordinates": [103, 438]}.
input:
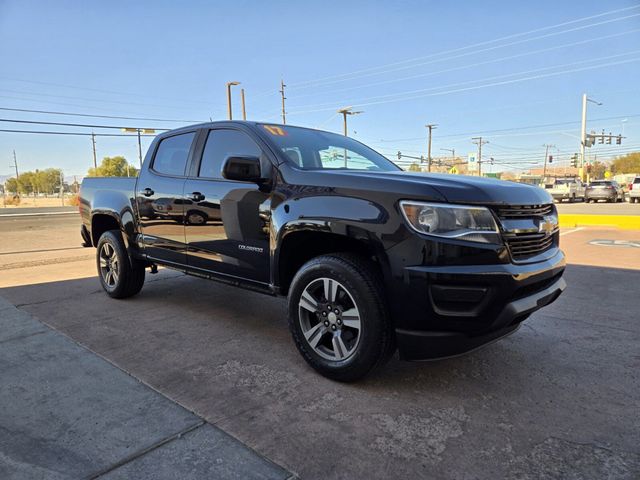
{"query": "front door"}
{"type": "Point", "coordinates": [160, 199]}
{"type": "Point", "coordinates": [227, 222]}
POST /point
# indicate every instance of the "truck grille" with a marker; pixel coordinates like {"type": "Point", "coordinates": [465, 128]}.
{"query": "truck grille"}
{"type": "Point", "coordinates": [523, 211]}
{"type": "Point", "coordinates": [526, 245]}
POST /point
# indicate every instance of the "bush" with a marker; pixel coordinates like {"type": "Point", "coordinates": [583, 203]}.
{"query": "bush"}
{"type": "Point", "coordinates": [74, 200]}
{"type": "Point", "coordinates": [12, 200]}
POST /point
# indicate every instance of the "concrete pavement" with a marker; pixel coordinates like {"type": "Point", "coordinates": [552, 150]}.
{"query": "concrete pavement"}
{"type": "Point", "coordinates": [67, 413]}
{"type": "Point", "coordinates": [557, 399]}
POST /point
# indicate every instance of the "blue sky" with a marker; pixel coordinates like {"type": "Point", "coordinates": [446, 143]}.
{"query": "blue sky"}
{"type": "Point", "coordinates": [405, 63]}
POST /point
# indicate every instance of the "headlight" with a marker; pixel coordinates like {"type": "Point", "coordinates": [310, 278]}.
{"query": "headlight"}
{"type": "Point", "coordinates": [474, 224]}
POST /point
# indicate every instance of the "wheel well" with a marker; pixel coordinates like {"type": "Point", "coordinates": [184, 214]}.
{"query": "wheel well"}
{"type": "Point", "coordinates": [101, 224]}
{"type": "Point", "coordinates": [298, 248]}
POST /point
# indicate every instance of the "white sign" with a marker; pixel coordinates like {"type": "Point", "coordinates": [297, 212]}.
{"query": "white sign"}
{"type": "Point", "coordinates": [472, 163]}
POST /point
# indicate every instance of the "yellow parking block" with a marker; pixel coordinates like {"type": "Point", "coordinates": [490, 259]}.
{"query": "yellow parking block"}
{"type": "Point", "coordinates": [628, 222]}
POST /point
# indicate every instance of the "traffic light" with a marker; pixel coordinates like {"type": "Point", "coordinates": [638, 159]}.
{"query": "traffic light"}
{"type": "Point", "coordinates": [574, 160]}
{"type": "Point", "coordinates": [399, 155]}
{"type": "Point", "coordinates": [619, 140]}
{"type": "Point", "coordinates": [550, 158]}
{"type": "Point", "coordinates": [609, 139]}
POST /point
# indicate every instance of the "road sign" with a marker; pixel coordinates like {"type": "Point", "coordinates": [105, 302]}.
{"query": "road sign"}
{"type": "Point", "coordinates": [453, 170]}
{"type": "Point", "coordinates": [607, 174]}
{"type": "Point", "coordinates": [472, 162]}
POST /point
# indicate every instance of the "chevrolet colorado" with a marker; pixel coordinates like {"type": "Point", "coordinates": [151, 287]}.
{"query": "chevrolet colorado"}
{"type": "Point", "coordinates": [372, 258]}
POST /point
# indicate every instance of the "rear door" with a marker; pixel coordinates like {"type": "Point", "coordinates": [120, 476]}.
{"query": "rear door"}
{"type": "Point", "coordinates": [226, 221]}
{"type": "Point", "coordinates": [160, 198]}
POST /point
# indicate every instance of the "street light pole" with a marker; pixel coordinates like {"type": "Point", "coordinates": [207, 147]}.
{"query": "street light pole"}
{"type": "Point", "coordinates": [583, 132]}
{"type": "Point", "coordinates": [347, 111]}
{"type": "Point", "coordinates": [229, 85]}
{"type": "Point", "coordinates": [244, 110]}
{"type": "Point", "coordinates": [430, 127]}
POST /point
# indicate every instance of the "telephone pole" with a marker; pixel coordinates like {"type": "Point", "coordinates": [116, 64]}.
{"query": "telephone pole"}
{"type": "Point", "coordinates": [284, 113]}
{"type": "Point", "coordinates": [430, 127]}
{"type": "Point", "coordinates": [546, 157]}
{"type": "Point", "coordinates": [478, 141]}
{"type": "Point", "coordinates": [15, 164]}
{"type": "Point", "coordinates": [93, 141]}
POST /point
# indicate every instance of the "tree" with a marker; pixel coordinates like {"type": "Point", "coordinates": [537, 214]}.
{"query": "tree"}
{"type": "Point", "coordinates": [113, 167]}
{"type": "Point", "coordinates": [12, 185]}
{"type": "Point", "coordinates": [629, 163]}
{"type": "Point", "coordinates": [598, 169]}
{"type": "Point", "coordinates": [414, 167]}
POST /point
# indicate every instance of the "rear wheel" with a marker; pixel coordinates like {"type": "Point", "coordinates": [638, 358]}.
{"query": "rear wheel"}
{"type": "Point", "coordinates": [338, 317]}
{"type": "Point", "coordinates": [120, 276]}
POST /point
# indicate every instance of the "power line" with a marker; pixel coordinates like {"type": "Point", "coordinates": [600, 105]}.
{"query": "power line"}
{"type": "Point", "coordinates": [363, 72]}
{"type": "Point", "coordinates": [469, 65]}
{"type": "Point", "coordinates": [98, 116]}
{"type": "Point", "coordinates": [401, 95]}
{"type": "Point", "coordinates": [84, 134]}
{"type": "Point", "coordinates": [34, 122]}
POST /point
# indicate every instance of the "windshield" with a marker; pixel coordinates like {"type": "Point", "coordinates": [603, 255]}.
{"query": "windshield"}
{"type": "Point", "coordinates": [317, 150]}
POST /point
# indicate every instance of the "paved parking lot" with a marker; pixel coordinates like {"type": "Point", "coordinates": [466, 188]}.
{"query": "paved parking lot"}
{"type": "Point", "coordinates": [558, 399]}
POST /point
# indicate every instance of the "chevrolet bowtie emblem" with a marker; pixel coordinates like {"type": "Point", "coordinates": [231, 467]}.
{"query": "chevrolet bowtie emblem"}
{"type": "Point", "coordinates": [547, 226]}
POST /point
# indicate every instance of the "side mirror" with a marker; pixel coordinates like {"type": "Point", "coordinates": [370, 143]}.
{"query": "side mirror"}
{"type": "Point", "coordinates": [243, 169]}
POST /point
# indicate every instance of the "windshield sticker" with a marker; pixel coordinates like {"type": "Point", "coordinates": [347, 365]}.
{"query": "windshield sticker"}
{"type": "Point", "coordinates": [274, 130]}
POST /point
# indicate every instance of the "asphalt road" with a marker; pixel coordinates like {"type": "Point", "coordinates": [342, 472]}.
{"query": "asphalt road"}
{"type": "Point", "coordinates": [558, 399]}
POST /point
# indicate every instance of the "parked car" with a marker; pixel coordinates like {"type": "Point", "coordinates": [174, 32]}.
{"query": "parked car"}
{"type": "Point", "coordinates": [570, 189]}
{"type": "Point", "coordinates": [634, 190]}
{"type": "Point", "coordinates": [371, 258]}
{"type": "Point", "coordinates": [607, 190]}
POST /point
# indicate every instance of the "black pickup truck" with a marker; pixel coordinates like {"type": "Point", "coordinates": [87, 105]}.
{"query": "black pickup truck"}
{"type": "Point", "coordinates": [372, 258]}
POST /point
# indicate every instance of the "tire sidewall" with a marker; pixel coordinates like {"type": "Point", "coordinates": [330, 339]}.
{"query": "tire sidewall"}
{"type": "Point", "coordinates": [371, 314]}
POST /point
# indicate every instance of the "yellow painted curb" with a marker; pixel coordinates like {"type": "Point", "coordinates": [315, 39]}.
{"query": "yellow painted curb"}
{"type": "Point", "coordinates": [627, 222]}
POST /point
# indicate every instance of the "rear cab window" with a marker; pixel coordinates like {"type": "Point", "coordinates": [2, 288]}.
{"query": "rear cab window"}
{"type": "Point", "coordinates": [172, 154]}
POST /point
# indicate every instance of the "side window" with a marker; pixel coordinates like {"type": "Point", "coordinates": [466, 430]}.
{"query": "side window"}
{"type": "Point", "coordinates": [222, 144]}
{"type": "Point", "coordinates": [171, 156]}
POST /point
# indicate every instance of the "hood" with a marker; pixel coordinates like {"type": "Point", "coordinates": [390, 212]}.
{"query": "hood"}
{"type": "Point", "coordinates": [461, 189]}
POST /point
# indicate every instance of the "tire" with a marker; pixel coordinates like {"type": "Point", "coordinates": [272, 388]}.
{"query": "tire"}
{"type": "Point", "coordinates": [120, 276]}
{"type": "Point", "coordinates": [194, 217]}
{"type": "Point", "coordinates": [341, 347]}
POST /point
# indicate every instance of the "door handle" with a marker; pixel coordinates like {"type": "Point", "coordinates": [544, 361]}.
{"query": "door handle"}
{"type": "Point", "coordinates": [197, 197]}
{"type": "Point", "coordinates": [147, 192]}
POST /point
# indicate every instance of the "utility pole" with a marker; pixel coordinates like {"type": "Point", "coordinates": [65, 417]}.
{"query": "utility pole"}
{"type": "Point", "coordinates": [139, 148]}
{"type": "Point", "coordinates": [430, 127]}
{"type": "Point", "coordinates": [244, 110]}
{"type": "Point", "coordinates": [15, 164]}
{"type": "Point", "coordinates": [478, 141]}
{"type": "Point", "coordinates": [284, 113]}
{"type": "Point", "coordinates": [546, 157]}
{"type": "Point", "coordinates": [93, 141]}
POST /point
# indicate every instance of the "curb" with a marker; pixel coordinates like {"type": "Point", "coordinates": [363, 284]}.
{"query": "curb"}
{"type": "Point", "coordinates": [626, 222]}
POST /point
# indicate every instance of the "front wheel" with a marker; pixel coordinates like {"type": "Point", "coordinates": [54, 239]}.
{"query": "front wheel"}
{"type": "Point", "coordinates": [120, 276]}
{"type": "Point", "coordinates": [338, 317]}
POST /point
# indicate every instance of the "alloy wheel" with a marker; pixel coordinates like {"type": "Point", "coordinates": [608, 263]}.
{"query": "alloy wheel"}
{"type": "Point", "coordinates": [109, 265]}
{"type": "Point", "coordinates": [329, 319]}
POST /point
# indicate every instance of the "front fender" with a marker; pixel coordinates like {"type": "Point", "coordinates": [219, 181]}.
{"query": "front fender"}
{"type": "Point", "coordinates": [357, 219]}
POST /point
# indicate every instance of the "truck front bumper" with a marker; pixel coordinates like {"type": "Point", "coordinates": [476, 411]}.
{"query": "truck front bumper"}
{"type": "Point", "coordinates": [467, 307]}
